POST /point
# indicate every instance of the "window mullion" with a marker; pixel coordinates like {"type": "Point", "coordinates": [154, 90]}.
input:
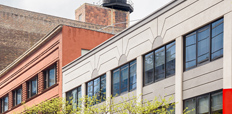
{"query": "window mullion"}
{"type": "Point", "coordinates": [120, 81]}
{"type": "Point", "coordinates": [196, 48]}
{"type": "Point", "coordinates": [165, 61]}
{"type": "Point", "coordinates": [128, 81]}
{"type": "Point", "coordinates": [210, 41]}
{"type": "Point", "coordinates": [154, 66]}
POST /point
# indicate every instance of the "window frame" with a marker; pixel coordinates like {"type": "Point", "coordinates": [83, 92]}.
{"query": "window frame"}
{"type": "Point", "coordinates": [197, 97]}
{"type": "Point", "coordinates": [15, 93]}
{"type": "Point", "coordinates": [76, 88]}
{"type": "Point", "coordinates": [3, 103]}
{"type": "Point", "coordinates": [128, 81]}
{"type": "Point", "coordinates": [46, 76]}
{"type": "Point", "coordinates": [196, 31]}
{"type": "Point", "coordinates": [165, 62]}
{"type": "Point", "coordinates": [29, 87]}
{"type": "Point", "coordinates": [100, 78]}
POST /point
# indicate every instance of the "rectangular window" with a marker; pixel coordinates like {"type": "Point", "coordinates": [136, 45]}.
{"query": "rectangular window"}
{"type": "Point", "coordinates": [17, 96]}
{"type": "Point", "coordinates": [204, 44]}
{"type": "Point", "coordinates": [50, 76]}
{"type": "Point", "coordinates": [97, 88]}
{"type": "Point", "coordinates": [74, 97]}
{"type": "Point", "coordinates": [159, 64]}
{"type": "Point", "coordinates": [32, 87]}
{"type": "Point", "coordinates": [4, 104]}
{"type": "Point", "coordinates": [206, 104]}
{"type": "Point", "coordinates": [124, 78]}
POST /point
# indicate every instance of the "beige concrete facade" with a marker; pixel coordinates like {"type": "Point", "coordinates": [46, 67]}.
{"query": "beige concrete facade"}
{"type": "Point", "coordinates": [170, 23]}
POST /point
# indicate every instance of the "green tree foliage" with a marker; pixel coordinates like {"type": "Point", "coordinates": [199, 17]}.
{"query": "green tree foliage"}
{"type": "Point", "coordinates": [119, 105]}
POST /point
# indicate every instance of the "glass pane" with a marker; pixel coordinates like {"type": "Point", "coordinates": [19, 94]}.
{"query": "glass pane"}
{"type": "Point", "coordinates": [69, 96]}
{"type": "Point", "coordinates": [171, 110]}
{"type": "Point", "coordinates": [191, 105]}
{"type": "Point", "coordinates": [217, 22]}
{"type": "Point", "coordinates": [203, 105]}
{"type": "Point", "coordinates": [103, 87]}
{"type": "Point", "coordinates": [52, 77]}
{"type": "Point", "coordinates": [116, 85]}
{"type": "Point", "coordinates": [97, 88]}
{"type": "Point", "coordinates": [5, 104]}
{"type": "Point", "coordinates": [190, 53]}
{"type": "Point", "coordinates": [124, 78]}
{"type": "Point", "coordinates": [79, 96]}
{"type": "Point", "coordinates": [132, 75]}
{"type": "Point", "coordinates": [216, 103]}
{"type": "Point", "coordinates": [190, 39]}
{"type": "Point", "coordinates": [34, 87]}
{"type": "Point", "coordinates": [203, 44]}
{"type": "Point", "coordinates": [170, 59]}
{"type": "Point", "coordinates": [19, 96]}
{"type": "Point", "coordinates": [74, 98]}
{"type": "Point", "coordinates": [148, 68]}
{"type": "Point", "coordinates": [217, 45]}
{"type": "Point", "coordinates": [90, 89]}
{"type": "Point", "coordinates": [159, 63]}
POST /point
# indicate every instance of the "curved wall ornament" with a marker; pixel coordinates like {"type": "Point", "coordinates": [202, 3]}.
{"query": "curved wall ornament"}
{"type": "Point", "coordinates": [122, 60]}
{"type": "Point", "coordinates": [94, 74]}
{"type": "Point", "coordinates": [158, 41]}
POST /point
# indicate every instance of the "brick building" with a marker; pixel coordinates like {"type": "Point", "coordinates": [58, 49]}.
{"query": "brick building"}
{"type": "Point", "coordinates": [36, 75]}
{"type": "Point", "coordinates": [20, 29]}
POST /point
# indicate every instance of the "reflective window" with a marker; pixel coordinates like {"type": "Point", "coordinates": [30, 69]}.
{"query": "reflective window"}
{"type": "Point", "coordinates": [32, 87]}
{"type": "Point", "coordinates": [159, 64]}
{"type": "Point", "coordinates": [17, 96]}
{"type": "Point", "coordinates": [97, 88]}
{"type": "Point", "coordinates": [74, 97]}
{"type": "Point", "coordinates": [205, 104]}
{"type": "Point", "coordinates": [124, 78]}
{"type": "Point", "coordinates": [205, 44]}
{"type": "Point", "coordinates": [4, 104]}
{"type": "Point", "coordinates": [49, 76]}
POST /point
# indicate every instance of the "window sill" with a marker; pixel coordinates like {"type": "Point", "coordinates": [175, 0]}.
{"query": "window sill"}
{"type": "Point", "coordinates": [47, 89]}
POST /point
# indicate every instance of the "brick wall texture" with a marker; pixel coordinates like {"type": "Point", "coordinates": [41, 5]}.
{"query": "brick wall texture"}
{"type": "Point", "coordinates": [20, 29]}
{"type": "Point", "coordinates": [103, 16]}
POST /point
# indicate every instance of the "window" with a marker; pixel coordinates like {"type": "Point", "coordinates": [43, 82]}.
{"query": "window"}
{"type": "Point", "coordinates": [49, 76]}
{"type": "Point", "coordinates": [206, 104]}
{"type": "Point", "coordinates": [4, 104]}
{"type": "Point", "coordinates": [84, 51]}
{"type": "Point", "coordinates": [204, 44]}
{"type": "Point", "coordinates": [159, 64]}
{"type": "Point", "coordinates": [124, 78]}
{"type": "Point", "coordinates": [80, 17]}
{"type": "Point", "coordinates": [74, 96]}
{"type": "Point", "coordinates": [32, 87]}
{"type": "Point", "coordinates": [97, 88]}
{"type": "Point", "coordinates": [17, 96]}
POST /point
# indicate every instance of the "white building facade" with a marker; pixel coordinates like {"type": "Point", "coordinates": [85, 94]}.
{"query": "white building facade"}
{"type": "Point", "coordinates": [183, 50]}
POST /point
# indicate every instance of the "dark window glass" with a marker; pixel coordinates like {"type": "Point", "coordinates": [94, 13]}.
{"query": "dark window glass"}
{"type": "Point", "coordinates": [148, 68]}
{"type": "Point", "coordinates": [49, 76]}
{"type": "Point", "coordinates": [4, 104]}
{"type": "Point", "coordinates": [74, 97]}
{"type": "Point", "coordinates": [17, 96]}
{"type": "Point", "coordinates": [32, 87]}
{"type": "Point", "coordinates": [124, 78]}
{"type": "Point", "coordinates": [190, 52]}
{"type": "Point", "coordinates": [204, 44]}
{"type": "Point", "coordinates": [216, 103]}
{"type": "Point", "coordinates": [160, 63]}
{"type": "Point", "coordinates": [203, 105]}
{"type": "Point", "coordinates": [170, 59]}
{"type": "Point", "coordinates": [133, 75]}
{"type": "Point", "coordinates": [97, 88]}
{"type": "Point", "coordinates": [116, 82]}
{"type": "Point", "coordinates": [207, 104]}
{"type": "Point", "coordinates": [217, 39]}
{"type": "Point", "coordinates": [191, 104]}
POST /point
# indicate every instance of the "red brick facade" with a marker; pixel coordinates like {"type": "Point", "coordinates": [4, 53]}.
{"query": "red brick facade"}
{"type": "Point", "coordinates": [20, 29]}
{"type": "Point", "coordinates": [102, 16]}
